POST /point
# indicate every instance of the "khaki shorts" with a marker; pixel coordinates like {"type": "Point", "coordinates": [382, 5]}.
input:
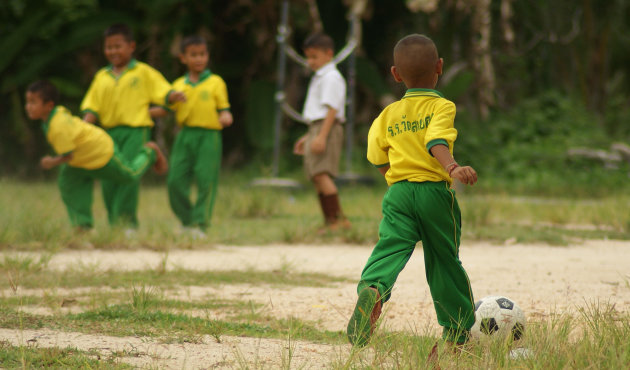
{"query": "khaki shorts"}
{"type": "Point", "coordinates": [328, 161]}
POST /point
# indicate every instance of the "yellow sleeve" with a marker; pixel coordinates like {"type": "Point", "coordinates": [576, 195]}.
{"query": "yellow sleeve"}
{"type": "Point", "coordinates": [62, 133]}
{"type": "Point", "coordinates": [221, 97]}
{"type": "Point", "coordinates": [158, 87]}
{"type": "Point", "coordinates": [91, 101]}
{"type": "Point", "coordinates": [378, 147]}
{"type": "Point", "coordinates": [441, 128]}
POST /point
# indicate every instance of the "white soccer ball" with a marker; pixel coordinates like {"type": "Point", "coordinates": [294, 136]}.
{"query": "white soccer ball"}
{"type": "Point", "coordinates": [498, 315]}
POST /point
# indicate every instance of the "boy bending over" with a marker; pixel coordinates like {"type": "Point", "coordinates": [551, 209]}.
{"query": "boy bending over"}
{"type": "Point", "coordinates": [85, 153]}
{"type": "Point", "coordinates": [411, 143]}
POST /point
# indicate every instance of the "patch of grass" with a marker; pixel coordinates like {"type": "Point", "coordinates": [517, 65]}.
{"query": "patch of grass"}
{"type": "Point", "coordinates": [125, 320]}
{"type": "Point", "coordinates": [595, 337]}
{"type": "Point", "coordinates": [246, 215]}
{"type": "Point", "coordinates": [143, 298]}
{"type": "Point", "coordinates": [59, 358]}
{"type": "Point", "coordinates": [48, 279]}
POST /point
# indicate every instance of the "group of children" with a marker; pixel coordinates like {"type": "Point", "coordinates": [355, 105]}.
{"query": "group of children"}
{"type": "Point", "coordinates": [410, 142]}
{"type": "Point", "coordinates": [123, 99]}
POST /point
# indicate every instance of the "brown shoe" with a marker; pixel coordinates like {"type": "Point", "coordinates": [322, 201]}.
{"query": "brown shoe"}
{"type": "Point", "coordinates": [161, 164]}
{"type": "Point", "coordinates": [434, 358]}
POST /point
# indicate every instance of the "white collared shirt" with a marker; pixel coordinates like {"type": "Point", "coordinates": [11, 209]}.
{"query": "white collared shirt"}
{"type": "Point", "coordinates": [327, 89]}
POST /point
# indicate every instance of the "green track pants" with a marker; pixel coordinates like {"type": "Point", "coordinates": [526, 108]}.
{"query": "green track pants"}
{"type": "Point", "coordinates": [196, 155]}
{"type": "Point", "coordinates": [77, 184]}
{"type": "Point", "coordinates": [426, 211]}
{"type": "Point", "coordinates": [121, 200]}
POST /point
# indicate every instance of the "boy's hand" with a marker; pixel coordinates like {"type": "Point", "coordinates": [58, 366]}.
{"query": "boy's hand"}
{"type": "Point", "coordinates": [298, 147]}
{"type": "Point", "coordinates": [157, 112]}
{"type": "Point", "coordinates": [318, 145]}
{"type": "Point", "coordinates": [176, 96]}
{"type": "Point", "coordinates": [48, 162]}
{"type": "Point", "coordinates": [225, 118]}
{"type": "Point", "coordinates": [466, 175]}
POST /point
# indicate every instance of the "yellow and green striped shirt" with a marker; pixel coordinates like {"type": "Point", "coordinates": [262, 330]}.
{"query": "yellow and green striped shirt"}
{"type": "Point", "coordinates": [90, 145]}
{"type": "Point", "coordinates": [204, 99]}
{"type": "Point", "coordinates": [403, 134]}
{"type": "Point", "coordinates": [124, 100]}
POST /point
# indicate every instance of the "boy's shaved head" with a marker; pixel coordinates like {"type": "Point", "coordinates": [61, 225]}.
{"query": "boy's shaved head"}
{"type": "Point", "coordinates": [415, 58]}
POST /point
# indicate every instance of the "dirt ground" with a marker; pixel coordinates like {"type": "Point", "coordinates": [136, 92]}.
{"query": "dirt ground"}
{"type": "Point", "coordinates": [540, 278]}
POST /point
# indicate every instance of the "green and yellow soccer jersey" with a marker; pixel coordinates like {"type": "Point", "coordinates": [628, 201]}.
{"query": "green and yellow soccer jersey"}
{"type": "Point", "coordinates": [124, 100]}
{"type": "Point", "coordinates": [90, 145]}
{"type": "Point", "coordinates": [403, 134]}
{"type": "Point", "coordinates": [204, 99]}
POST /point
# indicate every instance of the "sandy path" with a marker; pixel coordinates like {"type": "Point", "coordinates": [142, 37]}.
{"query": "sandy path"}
{"type": "Point", "coordinates": [539, 278]}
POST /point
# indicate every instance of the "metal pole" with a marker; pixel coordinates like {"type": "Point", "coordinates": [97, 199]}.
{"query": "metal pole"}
{"type": "Point", "coordinates": [281, 39]}
{"type": "Point", "coordinates": [350, 114]}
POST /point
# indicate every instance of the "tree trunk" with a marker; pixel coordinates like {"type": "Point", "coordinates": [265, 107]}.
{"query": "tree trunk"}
{"type": "Point", "coordinates": [482, 58]}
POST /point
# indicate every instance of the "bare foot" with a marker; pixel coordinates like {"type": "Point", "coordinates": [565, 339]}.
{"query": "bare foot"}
{"type": "Point", "coordinates": [161, 164]}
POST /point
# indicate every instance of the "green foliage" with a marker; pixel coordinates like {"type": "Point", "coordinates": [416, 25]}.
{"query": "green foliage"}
{"type": "Point", "coordinates": [559, 46]}
{"type": "Point", "coordinates": [528, 145]}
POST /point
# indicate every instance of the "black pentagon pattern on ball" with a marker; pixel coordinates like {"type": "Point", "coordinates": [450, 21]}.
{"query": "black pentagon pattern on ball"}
{"type": "Point", "coordinates": [488, 325]}
{"type": "Point", "coordinates": [517, 331]}
{"type": "Point", "coordinates": [505, 303]}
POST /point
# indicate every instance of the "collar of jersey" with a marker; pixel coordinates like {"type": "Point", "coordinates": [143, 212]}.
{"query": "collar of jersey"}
{"type": "Point", "coordinates": [325, 69]}
{"type": "Point", "coordinates": [46, 123]}
{"type": "Point", "coordinates": [132, 63]}
{"type": "Point", "coordinates": [202, 77]}
{"type": "Point", "coordinates": [413, 93]}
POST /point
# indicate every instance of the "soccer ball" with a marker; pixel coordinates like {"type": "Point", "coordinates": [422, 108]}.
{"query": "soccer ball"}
{"type": "Point", "coordinates": [498, 315]}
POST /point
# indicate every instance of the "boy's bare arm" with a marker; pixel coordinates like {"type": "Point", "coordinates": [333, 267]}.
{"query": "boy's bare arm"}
{"type": "Point", "coordinates": [383, 170]}
{"type": "Point", "coordinates": [466, 175]}
{"type": "Point", "coordinates": [89, 117]}
{"type": "Point", "coordinates": [225, 118]}
{"type": "Point", "coordinates": [318, 145]}
{"type": "Point", "coordinates": [49, 162]}
{"type": "Point", "coordinates": [157, 112]}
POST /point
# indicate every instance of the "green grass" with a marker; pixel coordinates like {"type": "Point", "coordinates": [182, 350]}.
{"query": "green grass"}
{"type": "Point", "coordinates": [13, 357]}
{"type": "Point", "coordinates": [34, 218]}
{"type": "Point", "coordinates": [144, 303]}
{"type": "Point", "coordinates": [127, 320]}
{"type": "Point", "coordinates": [593, 338]}
{"type": "Point", "coordinates": [48, 278]}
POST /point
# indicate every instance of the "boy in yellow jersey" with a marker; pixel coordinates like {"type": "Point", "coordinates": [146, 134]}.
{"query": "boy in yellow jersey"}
{"type": "Point", "coordinates": [197, 150]}
{"type": "Point", "coordinates": [85, 152]}
{"type": "Point", "coordinates": [119, 99]}
{"type": "Point", "coordinates": [411, 143]}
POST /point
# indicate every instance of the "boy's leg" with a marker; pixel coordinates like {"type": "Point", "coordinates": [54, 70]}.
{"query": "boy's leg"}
{"type": "Point", "coordinates": [122, 170]}
{"type": "Point", "coordinates": [206, 170]}
{"type": "Point", "coordinates": [180, 175]}
{"type": "Point", "coordinates": [398, 235]}
{"type": "Point", "coordinates": [322, 168]}
{"type": "Point", "coordinates": [450, 288]}
{"type": "Point", "coordinates": [121, 200]}
{"type": "Point", "coordinates": [76, 188]}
